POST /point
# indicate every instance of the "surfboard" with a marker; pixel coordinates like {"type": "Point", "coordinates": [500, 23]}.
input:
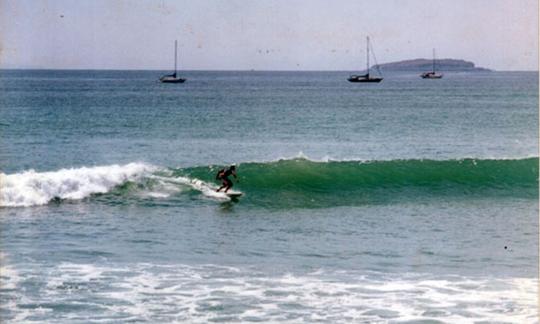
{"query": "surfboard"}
{"type": "Point", "coordinates": [233, 194]}
{"type": "Point", "coordinates": [210, 190]}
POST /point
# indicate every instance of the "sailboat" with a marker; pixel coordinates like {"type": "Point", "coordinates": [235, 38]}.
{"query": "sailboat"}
{"type": "Point", "coordinates": [366, 77]}
{"type": "Point", "coordinates": [432, 74]}
{"type": "Point", "coordinates": [172, 78]}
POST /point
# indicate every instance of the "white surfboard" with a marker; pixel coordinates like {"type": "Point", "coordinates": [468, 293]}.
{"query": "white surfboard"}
{"type": "Point", "coordinates": [210, 190]}
{"type": "Point", "coordinates": [233, 193]}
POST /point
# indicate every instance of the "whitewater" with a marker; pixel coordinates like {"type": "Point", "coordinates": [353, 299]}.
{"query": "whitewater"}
{"type": "Point", "coordinates": [32, 188]}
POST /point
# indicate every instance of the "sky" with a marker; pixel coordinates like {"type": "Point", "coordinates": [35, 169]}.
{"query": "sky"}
{"type": "Point", "coordinates": [264, 34]}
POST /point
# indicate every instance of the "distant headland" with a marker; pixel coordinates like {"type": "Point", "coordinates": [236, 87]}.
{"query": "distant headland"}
{"type": "Point", "coordinates": [420, 65]}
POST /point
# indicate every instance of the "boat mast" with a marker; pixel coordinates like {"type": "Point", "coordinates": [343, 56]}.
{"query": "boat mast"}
{"type": "Point", "coordinates": [433, 61]}
{"type": "Point", "coordinates": [175, 55]}
{"type": "Point", "coordinates": [367, 55]}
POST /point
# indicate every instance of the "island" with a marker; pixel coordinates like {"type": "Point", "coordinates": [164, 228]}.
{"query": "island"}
{"type": "Point", "coordinates": [421, 65]}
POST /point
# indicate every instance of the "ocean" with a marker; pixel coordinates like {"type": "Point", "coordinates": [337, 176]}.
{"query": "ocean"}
{"type": "Point", "coordinates": [408, 201]}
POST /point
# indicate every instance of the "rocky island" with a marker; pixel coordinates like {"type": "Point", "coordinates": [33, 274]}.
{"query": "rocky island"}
{"type": "Point", "coordinates": [420, 65]}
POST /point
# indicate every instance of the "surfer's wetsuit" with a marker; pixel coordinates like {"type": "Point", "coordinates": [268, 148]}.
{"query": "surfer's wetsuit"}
{"type": "Point", "coordinates": [223, 175]}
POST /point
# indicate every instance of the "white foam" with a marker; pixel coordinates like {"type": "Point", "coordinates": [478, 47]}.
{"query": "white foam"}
{"type": "Point", "coordinates": [207, 189]}
{"type": "Point", "coordinates": [198, 294]}
{"type": "Point", "coordinates": [30, 188]}
{"type": "Point", "coordinates": [160, 190]}
{"type": "Point", "coordinates": [327, 158]}
{"type": "Point", "coordinates": [156, 194]}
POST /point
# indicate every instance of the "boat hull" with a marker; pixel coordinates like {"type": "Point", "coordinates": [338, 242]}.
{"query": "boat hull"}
{"type": "Point", "coordinates": [365, 80]}
{"type": "Point", "coordinates": [431, 75]}
{"type": "Point", "coordinates": [172, 80]}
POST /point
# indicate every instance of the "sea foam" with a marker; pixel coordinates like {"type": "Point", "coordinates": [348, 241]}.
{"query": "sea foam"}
{"type": "Point", "coordinates": [30, 188]}
{"type": "Point", "coordinates": [205, 293]}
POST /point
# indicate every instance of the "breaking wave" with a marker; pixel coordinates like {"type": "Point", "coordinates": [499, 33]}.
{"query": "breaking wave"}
{"type": "Point", "coordinates": [32, 188]}
{"type": "Point", "coordinates": [297, 182]}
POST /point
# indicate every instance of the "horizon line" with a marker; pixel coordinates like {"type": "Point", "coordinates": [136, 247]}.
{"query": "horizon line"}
{"type": "Point", "coordinates": [234, 70]}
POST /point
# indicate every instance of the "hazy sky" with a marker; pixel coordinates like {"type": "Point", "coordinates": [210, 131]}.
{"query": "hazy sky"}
{"type": "Point", "coordinates": [266, 34]}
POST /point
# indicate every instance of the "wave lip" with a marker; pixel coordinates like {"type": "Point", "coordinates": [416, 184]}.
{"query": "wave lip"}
{"type": "Point", "coordinates": [31, 188]}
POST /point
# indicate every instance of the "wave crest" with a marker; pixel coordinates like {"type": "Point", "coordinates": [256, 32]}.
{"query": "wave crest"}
{"type": "Point", "coordinates": [31, 188]}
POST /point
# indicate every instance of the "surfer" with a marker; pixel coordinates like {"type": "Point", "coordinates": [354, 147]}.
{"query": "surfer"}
{"type": "Point", "coordinates": [223, 175]}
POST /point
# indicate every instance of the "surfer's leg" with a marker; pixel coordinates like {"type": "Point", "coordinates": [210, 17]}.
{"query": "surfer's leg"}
{"type": "Point", "coordinates": [229, 185]}
{"type": "Point", "coordinates": [224, 184]}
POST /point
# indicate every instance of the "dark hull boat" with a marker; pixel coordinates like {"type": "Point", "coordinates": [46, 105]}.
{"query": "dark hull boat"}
{"type": "Point", "coordinates": [432, 74]}
{"type": "Point", "coordinates": [173, 78]}
{"type": "Point", "coordinates": [367, 77]}
{"type": "Point", "coordinates": [364, 78]}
